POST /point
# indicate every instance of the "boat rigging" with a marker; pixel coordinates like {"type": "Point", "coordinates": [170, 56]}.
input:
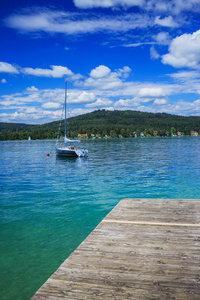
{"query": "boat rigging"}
{"type": "Point", "coordinates": [69, 148]}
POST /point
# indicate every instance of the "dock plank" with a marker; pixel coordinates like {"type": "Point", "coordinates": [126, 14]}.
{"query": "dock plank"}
{"type": "Point", "coordinates": [143, 249]}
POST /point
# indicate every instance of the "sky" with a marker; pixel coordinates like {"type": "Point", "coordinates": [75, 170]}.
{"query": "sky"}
{"type": "Point", "coordinates": [139, 55]}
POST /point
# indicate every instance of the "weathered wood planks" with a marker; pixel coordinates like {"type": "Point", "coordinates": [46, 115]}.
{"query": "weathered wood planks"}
{"type": "Point", "coordinates": [143, 249]}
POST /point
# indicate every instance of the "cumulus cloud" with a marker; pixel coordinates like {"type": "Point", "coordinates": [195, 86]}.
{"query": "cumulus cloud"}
{"type": "Point", "coordinates": [104, 88]}
{"type": "Point", "coordinates": [43, 105]}
{"type": "Point", "coordinates": [126, 104]}
{"type": "Point", "coordinates": [100, 102]}
{"type": "Point", "coordinates": [51, 105]}
{"type": "Point", "coordinates": [80, 97]}
{"type": "Point", "coordinates": [55, 72]}
{"type": "Point", "coordinates": [31, 115]}
{"type": "Point", "coordinates": [184, 51]}
{"type": "Point", "coordinates": [161, 105]}
{"type": "Point", "coordinates": [32, 89]}
{"type": "Point", "coordinates": [3, 81]}
{"type": "Point", "coordinates": [8, 68]}
{"type": "Point", "coordinates": [100, 72]}
{"type": "Point", "coordinates": [32, 96]}
{"type": "Point", "coordinates": [124, 72]}
{"type": "Point", "coordinates": [183, 108]}
{"type": "Point", "coordinates": [166, 22]}
{"type": "Point", "coordinates": [102, 78]}
{"type": "Point", "coordinates": [151, 92]}
{"type": "Point", "coordinates": [160, 101]}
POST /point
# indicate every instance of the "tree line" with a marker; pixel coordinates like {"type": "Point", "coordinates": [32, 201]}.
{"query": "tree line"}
{"type": "Point", "coordinates": [105, 123]}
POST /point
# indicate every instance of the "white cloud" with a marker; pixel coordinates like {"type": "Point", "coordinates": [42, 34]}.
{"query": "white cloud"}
{"type": "Point", "coordinates": [183, 108]}
{"type": "Point", "coordinates": [43, 20]}
{"type": "Point", "coordinates": [106, 89]}
{"type": "Point", "coordinates": [8, 68]}
{"type": "Point", "coordinates": [3, 81]}
{"type": "Point", "coordinates": [103, 79]}
{"type": "Point", "coordinates": [55, 72]}
{"type": "Point", "coordinates": [78, 111]}
{"type": "Point", "coordinates": [31, 115]}
{"type": "Point", "coordinates": [124, 73]}
{"type": "Point", "coordinates": [32, 89]}
{"type": "Point", "coordinates": [172, 6]}
{"type": "Point", "coordinates": [100, 102]}
{"type": "Point", "coordinates": [159, 101]}
{"type": "Point", "coordinates": [100, 72]}
{"type": "Point", "coordinates": [162, 38]}
{"type": "Point", "coordinates": [184, 51]}
{"type": "Point", "coordinates": [126, 104]}
{"type": "Point", "coordinates": [38, 20]}
{"type": "Point", "coordinates": [161, 105]}
{"type": "Point", "coordinates": [186, 75]}
{"type": "Point", "coordinates": [81, 97]}
{"type": "Point", "coordinates": [138, 44]}
{"type": "Point", "coordinates": [32, 96]}
{"type": "Point", "coordinates": [166, 22]}
{"type": "Point", "coordinates": [154, 54]}
{"type": "Point", "coordinates": [51, 105]}
{"type": "Point", "coordinates": [176, 7]}
{"type": "Point", "coordinates": [33, 106]}
{"type": "Point", "coordinates": [151, 92]}
{"type": "Point", "coordinates": [187, 82]}
{"type": "Point", "coordinates": [107, 3]}
{"type": "Point", "coordinates": [35, 115]}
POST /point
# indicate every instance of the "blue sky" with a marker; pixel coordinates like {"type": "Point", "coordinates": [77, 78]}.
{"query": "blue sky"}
{"type": "Point", "coordinates": [115, 54]}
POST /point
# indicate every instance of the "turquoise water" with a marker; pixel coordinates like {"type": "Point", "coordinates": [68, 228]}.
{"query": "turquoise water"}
{"type": "Point", "coordinates": [49, 205]}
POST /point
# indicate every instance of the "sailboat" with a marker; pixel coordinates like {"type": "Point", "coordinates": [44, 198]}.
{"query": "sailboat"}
{"type": "Point", "coordinates": [69, 148]}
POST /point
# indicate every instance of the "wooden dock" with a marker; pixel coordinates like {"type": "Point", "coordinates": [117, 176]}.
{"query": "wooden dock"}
{"type": "Point", "coordinates": [143, 249]}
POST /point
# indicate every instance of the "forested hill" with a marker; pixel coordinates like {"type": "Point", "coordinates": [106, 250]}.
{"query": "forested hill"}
{"type": "Point", "coordinates": [102, 122]}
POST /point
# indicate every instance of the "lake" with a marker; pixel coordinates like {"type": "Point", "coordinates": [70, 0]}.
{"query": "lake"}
{"type": "Point", "coordinates": [48, 205]}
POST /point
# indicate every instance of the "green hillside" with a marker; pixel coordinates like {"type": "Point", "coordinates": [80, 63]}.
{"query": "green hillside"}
{"type": "Point", "coordinates": [102, 122]}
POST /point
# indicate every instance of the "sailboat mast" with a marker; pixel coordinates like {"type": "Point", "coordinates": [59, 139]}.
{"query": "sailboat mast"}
{"type": "Point", "coordinates": [65, 109]}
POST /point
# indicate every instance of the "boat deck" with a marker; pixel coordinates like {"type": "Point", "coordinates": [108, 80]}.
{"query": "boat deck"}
{"type": "Point", "coordinates": [143, 249]}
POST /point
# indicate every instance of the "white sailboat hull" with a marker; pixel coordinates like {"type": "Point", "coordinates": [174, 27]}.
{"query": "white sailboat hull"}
{"type": "Point", "coordinates": [71, 152]}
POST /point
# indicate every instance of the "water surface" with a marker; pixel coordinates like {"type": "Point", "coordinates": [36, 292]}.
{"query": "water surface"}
{"type": "Point", "coordinates": [49, 205]}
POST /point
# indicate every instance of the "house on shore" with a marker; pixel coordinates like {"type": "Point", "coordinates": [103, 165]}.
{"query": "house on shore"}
{"type": "Point", "coordinates": [194, 133]}
{"type": "Point", "coordinates": [82, 135]}
{"type": "Point", "coordinates": [180, 133]}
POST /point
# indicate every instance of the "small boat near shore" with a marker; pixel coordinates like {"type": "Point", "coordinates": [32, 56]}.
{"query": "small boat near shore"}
{"type": "Point", "coordinates": [69, 149]}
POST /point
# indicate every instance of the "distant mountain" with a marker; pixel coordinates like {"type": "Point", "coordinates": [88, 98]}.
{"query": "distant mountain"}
{"type": "Point", "coordinates": [104, 122]}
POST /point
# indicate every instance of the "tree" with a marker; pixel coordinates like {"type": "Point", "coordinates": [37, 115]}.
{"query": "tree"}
{"type": "Point", "coordinates": [113, 134]}
{"type": "Point", "coordinates": [173, 130]}
{"type": "Point", "coordinates": [2, 136]}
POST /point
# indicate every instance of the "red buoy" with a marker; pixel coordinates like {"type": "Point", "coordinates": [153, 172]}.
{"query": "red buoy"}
{"type": "Point", "coordinates": [47, 154]}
